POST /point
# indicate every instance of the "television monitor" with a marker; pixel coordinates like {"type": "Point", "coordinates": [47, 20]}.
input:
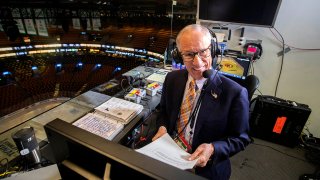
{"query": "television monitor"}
{"type": "Point", "coordinates": [237, 68]}
{"type": "Point", "coordinates": [246, 12]}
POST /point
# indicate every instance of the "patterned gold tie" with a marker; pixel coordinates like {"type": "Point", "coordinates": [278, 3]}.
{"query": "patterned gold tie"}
{"type": "Point", "coordinates": [186, 107]}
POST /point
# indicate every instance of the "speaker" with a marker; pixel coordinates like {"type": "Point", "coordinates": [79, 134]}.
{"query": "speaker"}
{"type": "Point", "coordinates": [176, 55]}
{"type": "Point", "coordinates": [277, 120]}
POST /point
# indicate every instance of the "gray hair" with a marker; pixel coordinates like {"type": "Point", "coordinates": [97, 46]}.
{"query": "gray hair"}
{"type": "Point", "coordinates": [195, 27]}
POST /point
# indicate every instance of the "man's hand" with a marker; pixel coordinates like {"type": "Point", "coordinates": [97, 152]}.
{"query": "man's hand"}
{"type": "Point", "coordinates": [161, 131]}
{"type": "Point", "coordinates": [203, 152]}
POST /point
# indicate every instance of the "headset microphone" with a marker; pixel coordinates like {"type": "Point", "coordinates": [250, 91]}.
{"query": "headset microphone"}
{"type": "Point", "coordinates": [207, 73]}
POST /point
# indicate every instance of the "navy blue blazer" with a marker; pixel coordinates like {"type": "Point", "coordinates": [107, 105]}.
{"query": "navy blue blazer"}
{"type": "Point", "coordinates": [222, 121]}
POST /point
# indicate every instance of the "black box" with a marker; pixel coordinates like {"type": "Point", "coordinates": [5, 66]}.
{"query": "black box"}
{"type": "Point", "coordinates": [277, 120]}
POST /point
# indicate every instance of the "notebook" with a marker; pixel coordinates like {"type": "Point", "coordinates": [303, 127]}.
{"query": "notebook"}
{"type": "Point", "coordinates": [99, 125]}
{"type": "Point", "coordinates": [109, 118]}
{"type": "Point", "coordinates": [119, 109]}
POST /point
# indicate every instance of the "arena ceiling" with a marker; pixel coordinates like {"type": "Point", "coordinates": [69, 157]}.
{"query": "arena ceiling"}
{"type": "Point", "coordinates": [95, 3]}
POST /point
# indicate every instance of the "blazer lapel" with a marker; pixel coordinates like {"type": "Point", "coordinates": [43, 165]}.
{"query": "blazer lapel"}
{"type": "Point", "coordinates": [178, 86]}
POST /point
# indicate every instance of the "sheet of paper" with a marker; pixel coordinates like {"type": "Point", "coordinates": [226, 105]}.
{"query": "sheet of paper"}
{"type": "Point", "coordinates": [166, 150]}
{"type": "Point", "coordinates": [120, 109]}
{"type": "Point", "coordinates": [101, 126]}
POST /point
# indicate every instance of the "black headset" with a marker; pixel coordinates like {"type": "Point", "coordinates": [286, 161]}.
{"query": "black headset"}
{"type": "Point", "coordinates": [176, 55]}
{"type": "Point", "coordinates": [258, 52]}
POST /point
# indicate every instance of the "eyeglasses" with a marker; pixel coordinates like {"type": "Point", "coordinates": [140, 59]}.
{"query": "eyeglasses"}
{"type": "Point", "coordinates": [189, 56]}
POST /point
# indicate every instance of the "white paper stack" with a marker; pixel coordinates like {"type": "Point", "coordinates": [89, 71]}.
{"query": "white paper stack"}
{"type": "Point", "coordinates": [119, 109]}
{"type": "Point", "coordinates": [109, 118]}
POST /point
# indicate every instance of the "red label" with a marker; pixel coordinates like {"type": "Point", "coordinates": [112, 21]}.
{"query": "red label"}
{"type": "Point", "coordinates": [278, 126]}
{"type": "Point", "coordinates": [251, 49]}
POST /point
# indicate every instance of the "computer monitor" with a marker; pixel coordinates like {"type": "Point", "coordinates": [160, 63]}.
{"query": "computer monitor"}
{"type": "Point", "coordinates": [236, 68]}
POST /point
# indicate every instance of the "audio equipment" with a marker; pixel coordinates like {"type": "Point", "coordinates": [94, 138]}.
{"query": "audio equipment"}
{"type": "Point", "coordinates": [253, 49]}
{"type": "Point", "coordinates": [137, 81]}
{"type": "Point", "coordinates": [27, 145]}
{"type": "Point", "coordinates": [176, 55]}
{"type": "Point", "coordinates": [207, 73]}
{"type": "Point", "coordinates": [277, 120]}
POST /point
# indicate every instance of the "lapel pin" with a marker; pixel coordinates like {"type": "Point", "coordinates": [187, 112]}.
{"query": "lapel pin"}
{"type": "Point", "coordinates": [214, 95]}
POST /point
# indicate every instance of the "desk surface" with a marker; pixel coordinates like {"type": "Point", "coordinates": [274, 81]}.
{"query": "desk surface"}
{"type": "Point", "coordinates": [70, 111]}
{"type": "Point", "coordinates": [264, 160]}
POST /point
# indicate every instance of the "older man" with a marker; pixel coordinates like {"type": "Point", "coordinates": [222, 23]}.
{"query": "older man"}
{"type": "Point", "coordinates": [208, 116]}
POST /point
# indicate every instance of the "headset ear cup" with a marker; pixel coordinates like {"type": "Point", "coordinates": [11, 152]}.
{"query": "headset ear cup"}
{"type": "Point", "coordinates": [213, 48]}
{"type": "Point", "coordinates": [176, 56]}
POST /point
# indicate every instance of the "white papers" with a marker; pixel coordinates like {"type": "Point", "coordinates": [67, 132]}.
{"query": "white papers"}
{"type": "Point", "coordinates": [99, 125]}
{"type": "Point", "coordinates": [158, 76]}
{"type": "Point", "coordinates": [109, 118]}
{"type": "Point", "coordinates": [166, 150]}
{"type": "Point", "coordinates": [120, 110]}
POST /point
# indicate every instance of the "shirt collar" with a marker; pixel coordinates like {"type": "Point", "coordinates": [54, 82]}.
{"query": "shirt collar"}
{"type": "Point", "coordinates": [199, 82]}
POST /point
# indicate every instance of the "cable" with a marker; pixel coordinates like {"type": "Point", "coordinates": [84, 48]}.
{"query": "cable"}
{"type": "Point", "coordinates": [293, 47]}
{"type": "Point", "coordinates": [7, 167]}
{"type": "Point", "coordinates": [121, 85]}
{"type": "Point", "coordinates": [252, 67]}
{"type": "Point", "coordinates": [259, 91]}
{"type": "Point", "coordinates": [141, 138]}
{"type": "Point", "coordinates": [9, 170]}
{"type": "Point", "coordinates": [281, 65]}
{"type": "Point", "coordinates": [307, 129]}
{"type": "Point", "coordinates": [139, 134]}
{"type": "Point", "coordinates": [279, 151]}
{"type": "Point", "coordinates": [125, 90]}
